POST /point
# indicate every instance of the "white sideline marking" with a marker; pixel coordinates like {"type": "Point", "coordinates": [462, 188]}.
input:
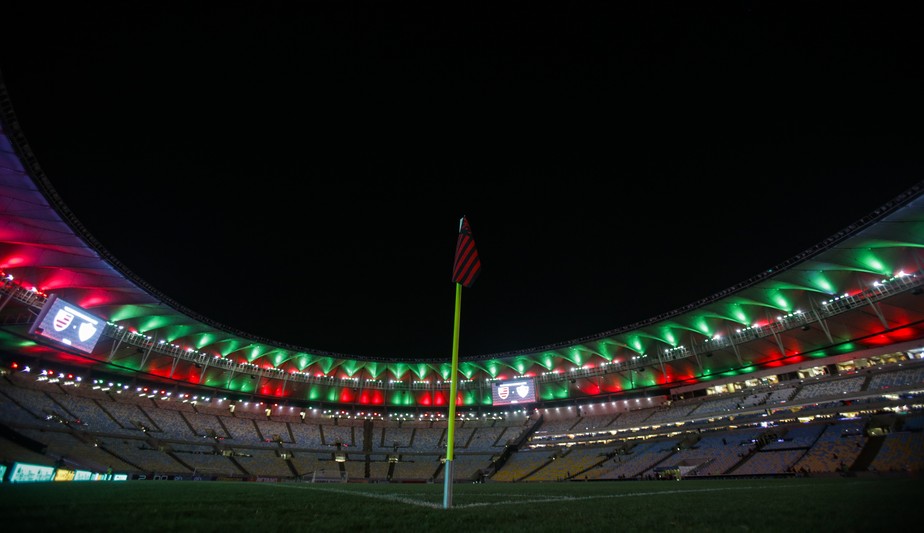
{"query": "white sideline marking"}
{"type": "Point", "coordinates": [545, 499]}
{"type": "Point", "coordinates": [386, 497]}
{"type": "Point", "coordinates": [596, 497]}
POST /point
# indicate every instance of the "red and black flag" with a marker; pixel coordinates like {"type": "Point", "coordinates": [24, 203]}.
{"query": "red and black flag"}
{"type": "Point", "coordinates": [467, 265]}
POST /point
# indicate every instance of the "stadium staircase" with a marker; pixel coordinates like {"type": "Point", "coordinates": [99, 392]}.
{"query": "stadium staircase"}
{"type": "Point", "coordinates": [688, 442]}
{"type": "Point", "coordinates": [240, 467]}
{"type": "Point", "coordinates": [668, 460]}
{"type": "Point", "coordinates": [502, 459]}
{"type": "Point", "coordinates": [368, 434]}
{"type": "Point", "coordinates": [526, 434]}
{"type": "Point", "coordinates": [700, 467]}
{"type": "Point", "coordinates": [514, 445]}
{"type": "Point", "coordinates": [744, 458]}
{"type": "Point", "coordinates": [872, 447]}
{"type": "Point", "coordinates": [152, 441]}
{"type": "Point", "coordinates": [91, 441]}
{"type": "Point", "coordinates": [175, 457]}
{"type": "Point", "coordinates": [551, 459]}
{"type": "Point", "coordinates": [598, 464]}
{"type": "Point", "coordinates": [223, 426]}
{"type": "Point", "coordinates": [295, 474]}
{"type": "Point", "coordinates": [189, 424]}
{"type": "Point", "coordinates": [471, 436]}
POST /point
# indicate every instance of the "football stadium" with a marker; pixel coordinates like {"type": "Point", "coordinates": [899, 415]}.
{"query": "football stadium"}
{"type": "Point", "coordinates": [791, 398]}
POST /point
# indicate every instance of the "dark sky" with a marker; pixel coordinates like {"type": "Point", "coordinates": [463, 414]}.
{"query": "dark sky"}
{"type": "Point", "coordinates": [300, 175]}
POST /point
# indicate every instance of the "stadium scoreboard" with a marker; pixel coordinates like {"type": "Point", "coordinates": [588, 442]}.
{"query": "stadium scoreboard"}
{"type": "Point", "coordinates": [68, 324]}
{"type": "Point", "coordinates": [516, 391]}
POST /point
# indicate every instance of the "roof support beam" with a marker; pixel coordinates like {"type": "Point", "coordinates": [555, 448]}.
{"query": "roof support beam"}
{"type": "Point", "coordinates": [734, 345]}
{"type": "Point", "coordinates": [147, 354]}
{"type": "Point", "coordinates": [699, 362]}
{"type": "Point", "coordinates": [821, 321]}
{"type": "Point", "coordinates": [258, 377]}
{"type": "Point", "coordinates": [176, 361]}
{"type": "Point", "coordinates": [779, 341]}
{"type": "Point", "coordinates": [115, 345]}
{"type": "Point", "coordinates": [878, 312]}
{"type": "Point", "coordinates": [661, 361]}
{"type": "Point", "coordinates": [204, 368]}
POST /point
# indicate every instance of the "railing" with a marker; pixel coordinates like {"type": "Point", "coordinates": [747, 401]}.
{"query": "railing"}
{"type": "Point", "coordinates": [835, 306]}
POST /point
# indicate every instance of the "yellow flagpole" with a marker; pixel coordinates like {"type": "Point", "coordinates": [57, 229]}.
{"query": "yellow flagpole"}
{"type": "Point", "coordinates": [451, 434]}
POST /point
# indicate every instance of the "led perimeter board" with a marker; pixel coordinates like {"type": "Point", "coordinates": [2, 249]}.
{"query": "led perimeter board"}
{"type": "Point", "coordinates": [515, 391]}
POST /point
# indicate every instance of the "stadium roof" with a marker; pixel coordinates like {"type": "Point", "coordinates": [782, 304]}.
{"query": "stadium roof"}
{"type": "Point", "coordinates": [857, 290]}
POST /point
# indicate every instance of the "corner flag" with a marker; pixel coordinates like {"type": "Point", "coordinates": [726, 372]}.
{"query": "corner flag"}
{"type": "Point", "coordinates": [465, 269]}
{"type": "Point", "coordinates": [467, 265]}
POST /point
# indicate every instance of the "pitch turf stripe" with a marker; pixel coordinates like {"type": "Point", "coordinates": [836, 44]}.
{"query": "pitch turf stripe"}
{"type": "Point", "coordinates": [386, 497]}
{"type": "Point", "coordinates": [551, 499]}
{"type": "Point", "coordinates": [596, 497]}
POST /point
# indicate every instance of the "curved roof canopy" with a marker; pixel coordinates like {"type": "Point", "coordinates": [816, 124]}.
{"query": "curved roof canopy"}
{"type": "Point", "coordinates": [859, 289]}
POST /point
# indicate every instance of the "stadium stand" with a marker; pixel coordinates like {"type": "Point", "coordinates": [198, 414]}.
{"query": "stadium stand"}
{"type": "Point", "coordinates": [874, 425]}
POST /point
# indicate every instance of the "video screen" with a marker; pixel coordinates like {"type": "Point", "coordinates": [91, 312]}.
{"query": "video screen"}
{"type": "Point", "coordinates": [68, 324]}
{"type": "Point", "coordinates": [521, 390]}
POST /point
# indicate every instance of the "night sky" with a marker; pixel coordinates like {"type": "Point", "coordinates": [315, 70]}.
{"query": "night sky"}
{"type": "Point", "coordinates": [300, 175]}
